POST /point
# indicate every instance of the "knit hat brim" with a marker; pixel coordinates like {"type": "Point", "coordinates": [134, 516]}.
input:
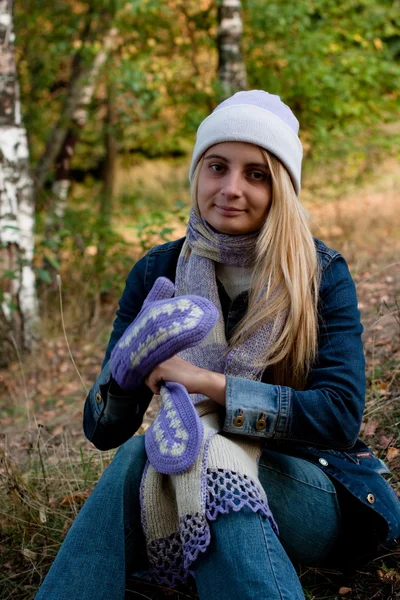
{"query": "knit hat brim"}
{"type": "Point", "coordinates": [254, 125]}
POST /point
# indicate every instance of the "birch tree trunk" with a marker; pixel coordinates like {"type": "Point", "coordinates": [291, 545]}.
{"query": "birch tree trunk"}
{"type": "Point", "coordinates": [80, 91]}
{"type": "Point", "coordinates": [19, 305]}
{"type": "Point", "coordinates": [231, 67]}
{"type": "Point", "coordinates": [84, 96]}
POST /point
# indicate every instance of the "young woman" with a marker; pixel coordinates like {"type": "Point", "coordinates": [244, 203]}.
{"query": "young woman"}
{"type": "Point", "coordinates": [283, 479]}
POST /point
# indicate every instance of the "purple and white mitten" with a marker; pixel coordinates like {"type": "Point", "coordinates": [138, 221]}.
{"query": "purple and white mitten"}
{"type": "Point", "coordinates": [164, 327]}
{"type": "Point", "coordinates": [173, 441]}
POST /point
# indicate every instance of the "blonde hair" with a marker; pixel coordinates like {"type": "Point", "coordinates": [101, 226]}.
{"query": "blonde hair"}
{"type": "Point", "coordinates": [285, 280]}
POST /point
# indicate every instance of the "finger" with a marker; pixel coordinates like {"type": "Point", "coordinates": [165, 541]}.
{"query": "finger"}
{"type": "Point", "coordinates": [153, 388]}
{"type": "Point", "coordinates": [153, 383]}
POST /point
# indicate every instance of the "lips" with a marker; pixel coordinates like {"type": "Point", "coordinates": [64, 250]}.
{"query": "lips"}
{"type": "Point", "coordinates": [229, 210]}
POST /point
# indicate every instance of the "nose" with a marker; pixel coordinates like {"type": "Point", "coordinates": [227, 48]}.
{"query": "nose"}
{"type": "Point", "coordinates": [232, 184]}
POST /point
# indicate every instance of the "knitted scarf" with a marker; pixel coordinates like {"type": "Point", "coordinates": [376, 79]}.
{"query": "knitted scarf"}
{"type": "Point", "coordinates": [177, 509]}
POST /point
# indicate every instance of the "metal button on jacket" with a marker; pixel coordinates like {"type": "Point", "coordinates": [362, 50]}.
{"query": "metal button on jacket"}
{"type": "Point", "coordinates": [323, 462]}
{"type": "Point", "coordinates": [99, 399]}
{"type": "Point", "coordinates": [261, 424]}
{"type": "Point", "coordinates": [238, 421]}
{"type": "Point", "coordinates": [371, 498]}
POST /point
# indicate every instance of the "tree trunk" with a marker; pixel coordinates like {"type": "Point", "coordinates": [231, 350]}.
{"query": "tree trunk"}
{"type": "Point", "coordinates": [19, 306]}
{"type": "Point", "coordinates": [77, 100]}
{"type": "Point", "coordinates": [231, 67]}
{"type": "Point", "coordinates": [62, 181]}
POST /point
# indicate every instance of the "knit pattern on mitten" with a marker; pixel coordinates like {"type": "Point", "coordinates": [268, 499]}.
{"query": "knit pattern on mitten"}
{"type": "Point", "coordinates": [174, 439]}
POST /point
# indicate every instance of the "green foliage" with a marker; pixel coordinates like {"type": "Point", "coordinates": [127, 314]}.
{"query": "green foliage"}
{"type": "Point", "coordinates": [335, 63]}
{"type": "Point", "coordinates": [157, 227]}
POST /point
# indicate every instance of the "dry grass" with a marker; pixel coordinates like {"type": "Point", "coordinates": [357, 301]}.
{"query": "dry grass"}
{"type": "Point", "coordinates": [365, 224]}
{"type": "Point", "coordinates": [47, 468]}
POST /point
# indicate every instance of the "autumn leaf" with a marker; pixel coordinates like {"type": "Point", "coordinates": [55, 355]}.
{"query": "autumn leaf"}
{"type": "Point", "coordinates": [371, 427]}
{"type": "Point", "coordinates": [392, 453]}
{"type": "Point", "coordinates": [388, 575]}
{"type": "Point", "coordinates": [384, 441]}
{"type": "Point", "coordinates": [79, 496]}
{"type": "Point", "coordinates": [344, 590]}
{"type": "Point", "coordinates": [58, 430]}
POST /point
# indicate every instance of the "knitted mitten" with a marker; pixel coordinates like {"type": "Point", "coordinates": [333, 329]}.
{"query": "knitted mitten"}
{"type": "Point", "coordinates": [162, 289]}
{"type": "Point", "coordinates": [173, 441]}
{"type": "Point", "coordinates": [163, 328]}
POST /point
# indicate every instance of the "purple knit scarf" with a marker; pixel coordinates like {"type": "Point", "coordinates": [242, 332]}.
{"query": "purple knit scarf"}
{"type": "Point", "coordinates": [237, 250]}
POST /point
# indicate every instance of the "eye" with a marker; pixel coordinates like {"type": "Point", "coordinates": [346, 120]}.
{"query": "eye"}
{"type": "Point", "coordinates": [216, 167]}
{"type": "Point", "coordinates": [259, 175]}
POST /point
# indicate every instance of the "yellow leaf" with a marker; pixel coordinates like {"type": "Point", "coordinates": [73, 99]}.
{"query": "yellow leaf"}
{"type": "Point", "coordinates": [282, 62]}
{"type": "Point", "coordinates": [78, 496]}
{"type": "Point", "coordinates": [392, 453]}
{"type": "Point", "coordinates": [378, 44]}
{"type": "Point", "coordinates": [78, 8]}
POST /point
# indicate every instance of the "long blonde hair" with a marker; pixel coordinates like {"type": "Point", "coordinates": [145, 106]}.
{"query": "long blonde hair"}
{"type": "Point", "coordinates": [285, 280]}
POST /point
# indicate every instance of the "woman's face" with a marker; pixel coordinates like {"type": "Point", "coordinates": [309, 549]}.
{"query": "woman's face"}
{"type": "Point", "coordinates": [234, 188]}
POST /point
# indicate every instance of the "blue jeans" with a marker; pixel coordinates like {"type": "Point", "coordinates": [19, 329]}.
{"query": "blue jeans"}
{"type": "Point", "coordinates": [245, 559]}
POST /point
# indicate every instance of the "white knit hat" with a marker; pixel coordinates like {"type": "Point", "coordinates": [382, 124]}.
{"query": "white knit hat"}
{"type": "Point", "coordinates": [256, 117]}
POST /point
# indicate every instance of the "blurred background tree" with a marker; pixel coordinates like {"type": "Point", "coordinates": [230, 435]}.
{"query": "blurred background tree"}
{"type": "Point", "coordinates": [19, 315]}
{"type": "Point", "coordinates": [231, 66]}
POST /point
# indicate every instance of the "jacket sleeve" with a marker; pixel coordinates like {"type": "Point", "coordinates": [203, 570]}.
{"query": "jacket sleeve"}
{"type": "Point", "coordinates": [112, 415]}
{"type": "Point", "coordinates": [328, 412]}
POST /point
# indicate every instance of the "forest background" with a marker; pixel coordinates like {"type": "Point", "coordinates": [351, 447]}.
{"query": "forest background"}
{"type": "Point", "coordinates": [111, 94]}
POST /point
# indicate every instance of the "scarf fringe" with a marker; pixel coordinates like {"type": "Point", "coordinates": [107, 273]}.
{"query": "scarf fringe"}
{"type": "Point", "coordinates": [170, 558]}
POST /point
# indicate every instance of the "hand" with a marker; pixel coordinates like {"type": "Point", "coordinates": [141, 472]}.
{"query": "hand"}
{"type": "Point", "coordinates": [195, 379]}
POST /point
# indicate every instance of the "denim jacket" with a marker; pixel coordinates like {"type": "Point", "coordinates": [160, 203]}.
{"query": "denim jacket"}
{"type": "Point", "coordinates": [319, 424]}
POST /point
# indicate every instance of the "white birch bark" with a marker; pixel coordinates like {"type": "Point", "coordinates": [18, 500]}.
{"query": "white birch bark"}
{"type": "Point", "coordinates": [19, 305]}
{"type": "Point", "coordinates": [231, 68]}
